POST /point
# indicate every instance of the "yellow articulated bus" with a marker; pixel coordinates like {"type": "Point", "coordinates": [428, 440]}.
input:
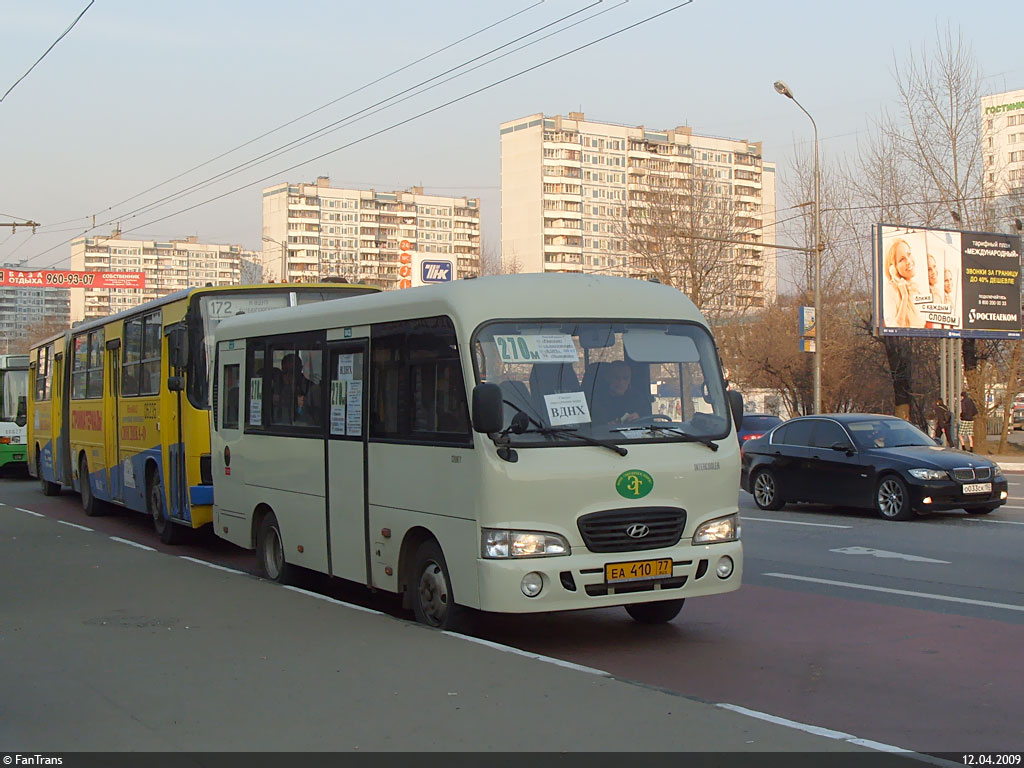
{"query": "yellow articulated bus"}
{"type": "Point", "coordinates": [120, 405]}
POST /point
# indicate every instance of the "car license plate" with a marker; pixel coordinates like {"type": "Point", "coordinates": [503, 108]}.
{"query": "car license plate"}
{"type": "Point", "coordinates": [639, 570]}
{"type": "Point", "coordinates": [978, 488]}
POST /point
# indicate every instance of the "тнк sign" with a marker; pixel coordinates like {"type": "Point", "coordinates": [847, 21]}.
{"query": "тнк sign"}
{"type": "Point", "coordinates": [435, 271]}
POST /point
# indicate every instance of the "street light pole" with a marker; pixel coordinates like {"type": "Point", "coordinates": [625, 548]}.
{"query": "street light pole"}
{"type": "Point", "coordinates": [782, 88]}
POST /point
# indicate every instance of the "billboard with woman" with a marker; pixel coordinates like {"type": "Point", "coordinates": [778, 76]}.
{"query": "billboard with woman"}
{"type": "Point", "coordinates": [935, 282]}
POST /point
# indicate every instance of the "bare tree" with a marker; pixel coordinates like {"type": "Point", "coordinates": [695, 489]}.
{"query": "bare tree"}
{"type": "Point", "coordinates": [682, 232]}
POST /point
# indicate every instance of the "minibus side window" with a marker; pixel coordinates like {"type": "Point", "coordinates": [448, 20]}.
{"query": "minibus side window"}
{"type": "Point", "coordinates": [418, 392]}
{"type": "Point", "coordinates": [255, 357]}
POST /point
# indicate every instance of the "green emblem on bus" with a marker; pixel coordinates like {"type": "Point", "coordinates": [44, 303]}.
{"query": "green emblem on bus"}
{"type": "Point", "coordinates": [634, 484]}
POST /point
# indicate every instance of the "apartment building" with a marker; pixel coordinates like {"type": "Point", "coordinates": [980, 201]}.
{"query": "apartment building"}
{"type": "Point", "coordinates": [25, 311]}
{"type": "Point", "coordinates": [386, 239]}
{"type": "Point", "coordinates": [579, 195]}
{"type": "Point", "coordinates": [169, 266]}
{"type": "Point", "coordinates": [1002, 141]}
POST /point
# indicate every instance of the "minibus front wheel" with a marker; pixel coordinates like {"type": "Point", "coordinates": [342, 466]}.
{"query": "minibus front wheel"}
{"type": "Point", "coordinates": [433, 601]}
{"type": "Point", "coordinates": [660, 612]}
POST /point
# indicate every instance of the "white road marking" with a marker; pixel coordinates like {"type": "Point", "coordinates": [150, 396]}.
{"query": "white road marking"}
{"type": "Point", "coordinates": [828, 733]}
{"type": "Point", "coordinates": [744, 518]}
{"type": "Point", "coordinates": [527, 654]}
{"type": "Point", "coordinates": [74, 525]}
{"type": "Point", "coordinates": [210, 565]}
{"type": "Point", "coordinates": [1004, 522]}
{"type": "Point", "coordinates": [908, 593]}
{"type": "Point", "coordinates": [22, 509]}
{"type": "Point", "coordinates": [333, 600]}
{"type": "Point", "coordinates": [1007, 506]}
{"type": "Point", "coordinates": [132, 543]}
{"type": "Point", "coordinates": [884, 554]}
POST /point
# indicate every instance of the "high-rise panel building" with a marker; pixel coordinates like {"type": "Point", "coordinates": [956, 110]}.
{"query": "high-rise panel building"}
{"type": "Point", "coordinates": [169, 266]}
{"type": "Point", "coordinates": [577, 196]}
{"type": "Point", "coordinates": [315, 231]}
{"type": "Point", "coordinates": [28, 311]}
{"type": "Point", "coordinates": [1002, 143]}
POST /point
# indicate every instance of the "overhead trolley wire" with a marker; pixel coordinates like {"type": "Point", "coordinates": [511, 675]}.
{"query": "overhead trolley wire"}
{"type": "Point", "coordinates": [52, 45]}
{"type": "Point", "coordinates": [362, 114]}
{"type": "Point", "coordinates": [252, 163]}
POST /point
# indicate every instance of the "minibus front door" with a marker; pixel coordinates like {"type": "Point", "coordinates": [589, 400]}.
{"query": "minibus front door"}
{"type": "Point", "coordinates": [348, 543]}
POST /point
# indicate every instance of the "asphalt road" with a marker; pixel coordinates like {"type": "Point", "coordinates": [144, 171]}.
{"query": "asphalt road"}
{"type": "Point", "coordinates": [906, 634]}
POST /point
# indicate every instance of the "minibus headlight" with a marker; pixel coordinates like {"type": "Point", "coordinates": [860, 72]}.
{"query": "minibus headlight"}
{"type": "Point", "coordinates": [501, 544]}
{"type": "Point", "coordinates": [717, 530]}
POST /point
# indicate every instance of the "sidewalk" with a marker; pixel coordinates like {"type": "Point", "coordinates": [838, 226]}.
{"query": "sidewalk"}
{"type": "Point", "coordinates": [108, 647]}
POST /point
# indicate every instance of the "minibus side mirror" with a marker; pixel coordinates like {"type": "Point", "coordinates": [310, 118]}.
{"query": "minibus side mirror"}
{"type": "Point", "coordinates": [175, 383]}
{"type": "Point", "coordinates": [736, 405]}
{"type": "Point", "coordinates": [488, 410]}
{"type": "Point", "coordinates": [177, 347]}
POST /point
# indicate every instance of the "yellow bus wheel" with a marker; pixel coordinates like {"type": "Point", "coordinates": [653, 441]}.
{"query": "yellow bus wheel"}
{"type": "Point", "coordinates": [90, 505]}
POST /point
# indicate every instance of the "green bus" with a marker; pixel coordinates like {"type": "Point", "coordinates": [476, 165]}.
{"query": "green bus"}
{"type": "Point", "coordinates": [13, 416]}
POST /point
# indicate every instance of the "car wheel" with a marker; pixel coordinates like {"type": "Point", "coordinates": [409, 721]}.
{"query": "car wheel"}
{"type": "Point", "coordinates": [48, 488]}
{"type": "Point", "coordinates": [433, 602]}
{"type": "Point", "coordinates": [660, 612]}
{"type": "Point", "coordinates": [270, 550]}
{"type": "Point", "coordinates": [982, 510]}
{"type": "Point", "coordinates": [766, 490]}
{"type": "Point", "coordinates": [892, 500]}
{"type": "Point", "coordinates": [90, 505]}
{"type": "Point", "coordinates": [169, 532]}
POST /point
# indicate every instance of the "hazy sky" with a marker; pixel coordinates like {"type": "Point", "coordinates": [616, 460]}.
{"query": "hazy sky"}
{"type": "Point", "coordinates": [139, 92]}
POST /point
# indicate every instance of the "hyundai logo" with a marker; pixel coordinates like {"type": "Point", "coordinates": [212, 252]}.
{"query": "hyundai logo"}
{"type": "Point", "coordinates": [637, 531]}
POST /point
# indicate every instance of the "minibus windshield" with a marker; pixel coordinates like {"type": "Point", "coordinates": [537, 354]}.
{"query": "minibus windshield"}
{"type": "Point", "coordinates": [622, 381]}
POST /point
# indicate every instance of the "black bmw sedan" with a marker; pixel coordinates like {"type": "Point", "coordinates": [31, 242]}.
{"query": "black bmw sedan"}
{"type": "Point", "coordinates": [864, 460]}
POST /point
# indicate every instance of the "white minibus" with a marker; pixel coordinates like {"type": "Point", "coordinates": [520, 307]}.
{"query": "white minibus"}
{"type": "Point", "coordinates": [518, 443]}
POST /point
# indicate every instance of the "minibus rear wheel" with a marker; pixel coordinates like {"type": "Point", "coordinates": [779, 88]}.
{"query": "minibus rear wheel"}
{"type": "Point", "coordinates": [270, 550]}
{"type": "Point", "coordinates": [90, 505]}
{"type": "Point", "coordinates": [48, 488]}
{"type": "Point", "coordinates": [433, 601]}
{"type": "Point", "coordinates": [660, 612]}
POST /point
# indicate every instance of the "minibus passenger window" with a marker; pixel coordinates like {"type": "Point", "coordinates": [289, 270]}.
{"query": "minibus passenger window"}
{"type": "Point", "coordinates": [231, 396]}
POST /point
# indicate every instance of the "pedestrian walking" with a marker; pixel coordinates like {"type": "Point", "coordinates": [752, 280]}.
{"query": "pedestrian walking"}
{"type": "Point", "coordinates": [968, 410]}
{"type": "Point", "coordinates": [942, 422]}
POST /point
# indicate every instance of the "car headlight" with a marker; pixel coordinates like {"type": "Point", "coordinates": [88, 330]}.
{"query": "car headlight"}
{"type": "Point", "coordinates": [928, 474]}
{"type": "Point", "coordinates": [500, 544]}
{"type": "Point", "coordinates": [997, 471]}
{"type": "Point", "coordinates": [717, 530]}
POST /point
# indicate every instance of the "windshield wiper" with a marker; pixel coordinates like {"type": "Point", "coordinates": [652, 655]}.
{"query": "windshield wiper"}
{"type": "Point", "coordinates": [674, 430]}
{"type": "Point", "coordinates": [571, 432]}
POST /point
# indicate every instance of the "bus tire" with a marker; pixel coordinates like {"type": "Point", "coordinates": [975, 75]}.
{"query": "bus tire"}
{"type": "Point", "coordinates": [660, 612]}
{"type": "Point", "coordinates": [165, 528]}
{"type": "Point", "coordinates": [48, 488]}
{"type": "Point", "coordinates": [90, 505]}
{"type": "Point", "coordinates": [270, 551]}
{"type": "Point", "coordinates": [433, 602]}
